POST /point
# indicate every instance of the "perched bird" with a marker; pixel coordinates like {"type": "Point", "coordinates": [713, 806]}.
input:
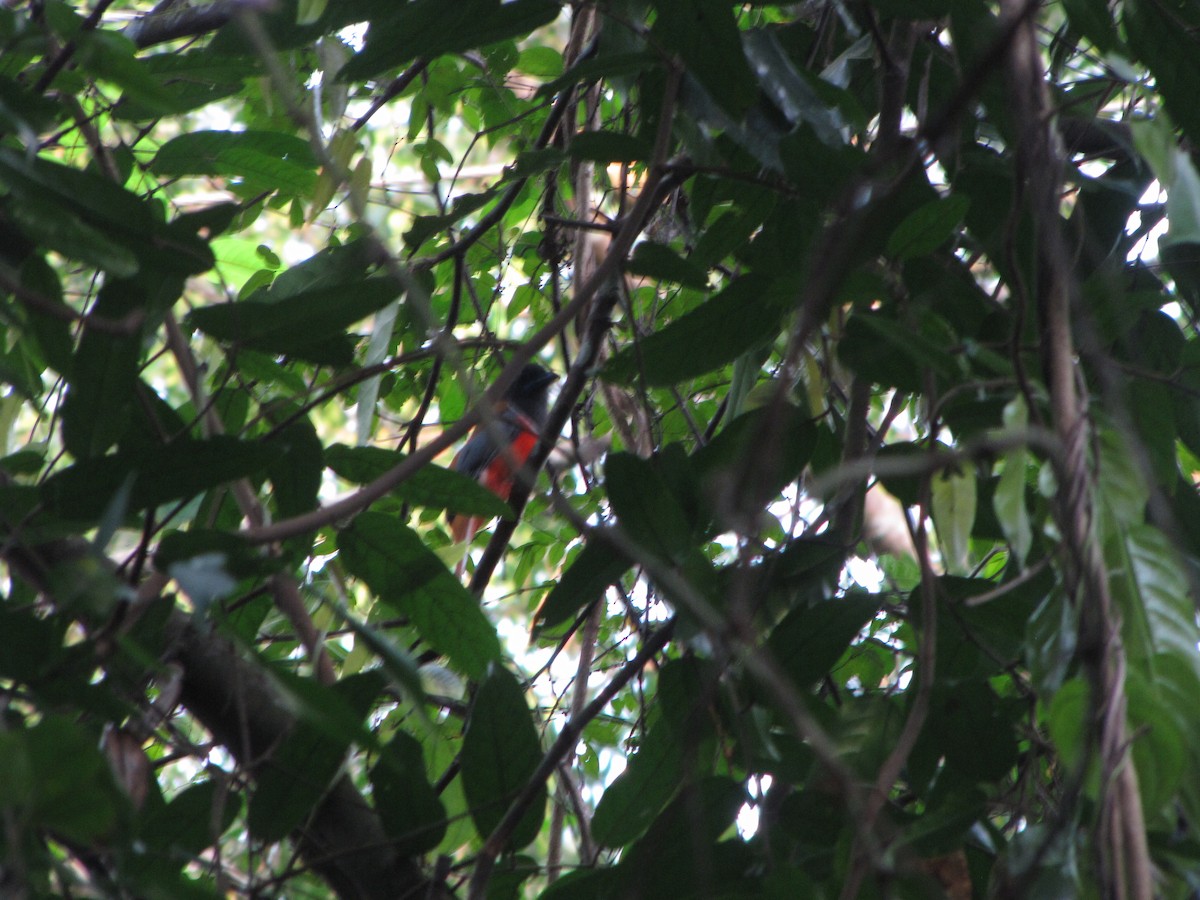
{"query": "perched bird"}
{"type": "Point", "coordinates": [519, 417]}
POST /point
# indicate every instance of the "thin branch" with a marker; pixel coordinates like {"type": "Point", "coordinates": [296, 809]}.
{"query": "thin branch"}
{"type": "Point", "coordinates": [607, 276]}
{"type": "Point", "coordinates": [565, 743]}
{"type": "Point", "coordinates": [170, 22]}
{"type": "Point", "coordinates": [40, 303]}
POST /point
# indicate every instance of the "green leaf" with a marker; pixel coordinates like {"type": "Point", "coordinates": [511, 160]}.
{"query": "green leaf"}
{"type": "Point", "coordinates": [431, 486]}
{"type": "Point", "coordinates": [794, 90]}
{"type": "Point", "coordinates": [1160, 748]}
{"type": "Point", "coordinates": [1094, 20]}
{"type": "Point", "coordinates": [665, 859]}
{"type": "Point", "coordinates": [646, 507]}
{"type": "Point", "coordinates": [597, 566]}
{"type": "Point", "coordinates": [1067, 721]}
{"type": "Point", "coordinates": [928, 227]}
{"type": "Point", "coordinates": [187, 81]}
{"type": "Point", "coordinates": [1152, 593]}
{"type": "Point", "coordinates": [635, 798]}
{"type": "Point", "coordinates": [32, 645]}
{"type": "Point", "coordinates": [705, 35]}
{"type": "Point", "coordinates": [52, 775]}
{"type": "Point", "coordinates": [743, 316]}
{"type": "Point", "coordinates": [808, 642]}
{"type": "Point", "coordinates": [609, 147]}
{"type": "Point", "coordinates": [782, 440]}
{"type": "Point", "coordinates": [662, 263]}
{"type": "Point", "coordinates": [338, 267]}
{"type": "Point", "coordinates": [972, 730]}
{"type": "Point", "coordinates": [884, 350]}
{"type": "Point", "coordinates": [411, 811]}
{"type": "Point", "coordinates": [406, 575]}
{"type": "Point", "coordinates": [104, 378]}
{"type": "Point", "coordinates": [58, 230]}
{"type": "Point", "coordinates": [193, 820]}
{"type": "Point", "coordinates": [240, 559]}
{"type": "Point", "coordinates": [307, 325]}
{"type": "Point", "coordinates": [500, 753]}
{"type": "Point", "coordinates": [268, 159]}
{"type": "Point", "coordinates": [300, 772]}
{"type": "Point", "coordinates": [432, 27]}
{"type": "Point", "coordinates": [425, 227]}
{"type": "Point", "coordinates": [1164, 38]}
{"type": "Point", "coordinates": [1009, 499]}
{"type": "Point", "coordinates": [181, 469]}
{"type": "Point", "coordinates": [112, 57]}
{"type": "Point", "coordinates": [296, 473]}
{"type": "Point", "coordinates": [953, 511]}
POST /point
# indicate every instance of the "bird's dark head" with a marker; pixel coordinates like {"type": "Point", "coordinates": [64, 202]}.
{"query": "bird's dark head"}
{"type": "Point", "coordinates": [528, 393]}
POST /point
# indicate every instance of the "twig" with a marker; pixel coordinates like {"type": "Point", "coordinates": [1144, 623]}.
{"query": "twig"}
{"type": "Point", "coordinates": [563, 744]}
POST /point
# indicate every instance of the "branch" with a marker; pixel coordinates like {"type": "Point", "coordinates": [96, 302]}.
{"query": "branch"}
{"type": "Point", "coordinates": [236, 700]}
{"type": "Point", "coordinates": [238, 703]}
{"type": "Point", "coordinates": [171, 21]}
{"type": "Point", "coordinates": [1120, 845]}
{"type": "Point", "coordinates": [565, 743]}
{"type": "Point", "coordinates": [284, 589]}
{"type": "Point", "coordinates": [606, 278]}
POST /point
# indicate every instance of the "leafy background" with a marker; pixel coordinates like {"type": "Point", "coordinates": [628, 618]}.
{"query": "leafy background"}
{"type": "Point", "coordinates": [862, 560]}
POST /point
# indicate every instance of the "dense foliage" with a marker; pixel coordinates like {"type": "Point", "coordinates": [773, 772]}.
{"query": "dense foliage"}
{"type": "Point", "coordinates": [861, 560]}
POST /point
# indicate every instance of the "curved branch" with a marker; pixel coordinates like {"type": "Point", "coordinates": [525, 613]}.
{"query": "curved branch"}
{"type": "Point", "coordinates": [1124, 867]}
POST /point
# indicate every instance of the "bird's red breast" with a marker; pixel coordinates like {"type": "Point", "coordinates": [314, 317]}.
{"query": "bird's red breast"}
{"type": "Point", "coordinates": [518, 419]}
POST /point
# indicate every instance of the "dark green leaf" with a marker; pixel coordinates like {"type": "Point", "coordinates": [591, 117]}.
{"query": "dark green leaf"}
{"type": "Point", "coordinates": [789, 88]}
{"type": "Point", "coordinates": [665, 859]}
{"type": "Point", "coordinates": [597, 566]}
{"type": "Point", "coordinates": [431, 27]}
{"type": "Point", "coordinates": [883, 350]}
{"type": "Point", "coordinates": [31, 644]}
{"type": "Point", "coordinates": [608, 147]}
{"type": "Point", "coordinates": [1094, 20]}
{"type": "Point", "coordinates": [104, 379]}
{"type": "Point", "coordinates": [84, 212]}
{"type": "Point", "coordinates": [705, 35]}
{"type": "Point", "coordinates": [635, 798]}
{"type": "Point", "coordinates": [646, 507]}
{"type": "Point", "coordinates": [1164, 38]}
{"type": "Point", "coordinates": [500, 753]}
{"type": "Point", "coordinates": [661, 263]}
{"type": "Point", "coordinates": [240, 559]}
{"type": "Point", "coordinates": [194, 820]}
{"type": "Point", "coordinates": [739, 318]}
{"type": "Point", "coordinates": [305, 325]}
{"type": "Point", "coordinates": [808, 642]}
{"type": "Point", "coordinates": [301, 770]}
{"type": "Point", "coordinates": [296, 473]}
{"type": "Point", "coordinates": [431, 486]}
{"type": "Point", "coordinates": [928, 227]}
{"type": "Point", "coordinates": [269, 159]}
{"type": "Point", "coordinates": [603, 65]}
{"type": "Point", "coordinates": [181, 469]}
{"type": "Point", "coordinates": [425, 227]}
{"type": "Point", "coordinates": [338, 267]}
{"type": "Point", "coordinates": [412, 814]}
{"type": "Point", "coordinates": [780, 440]}
{"type": "Point", "coordinates": [405, 574]}
{"type": "Point", "coordinates": [52, 775]}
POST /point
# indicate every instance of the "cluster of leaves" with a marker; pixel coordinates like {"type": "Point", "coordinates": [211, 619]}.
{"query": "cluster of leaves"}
{"type": "Point", "coordinates": [782, 254]}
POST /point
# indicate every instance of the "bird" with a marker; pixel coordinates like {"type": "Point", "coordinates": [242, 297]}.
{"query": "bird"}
{"type": "Point", "coordinates": [518, 420]}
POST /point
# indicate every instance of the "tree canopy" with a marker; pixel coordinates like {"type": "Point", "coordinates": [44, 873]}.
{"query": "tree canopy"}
{"type": "Point", "coordinates": [859, 554]}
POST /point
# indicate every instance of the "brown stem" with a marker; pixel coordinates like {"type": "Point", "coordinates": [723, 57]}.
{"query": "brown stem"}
{"type": "Point", "coordinates": [1124, 869]}
{"type": "Point", "coordinates": [563, 744]}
